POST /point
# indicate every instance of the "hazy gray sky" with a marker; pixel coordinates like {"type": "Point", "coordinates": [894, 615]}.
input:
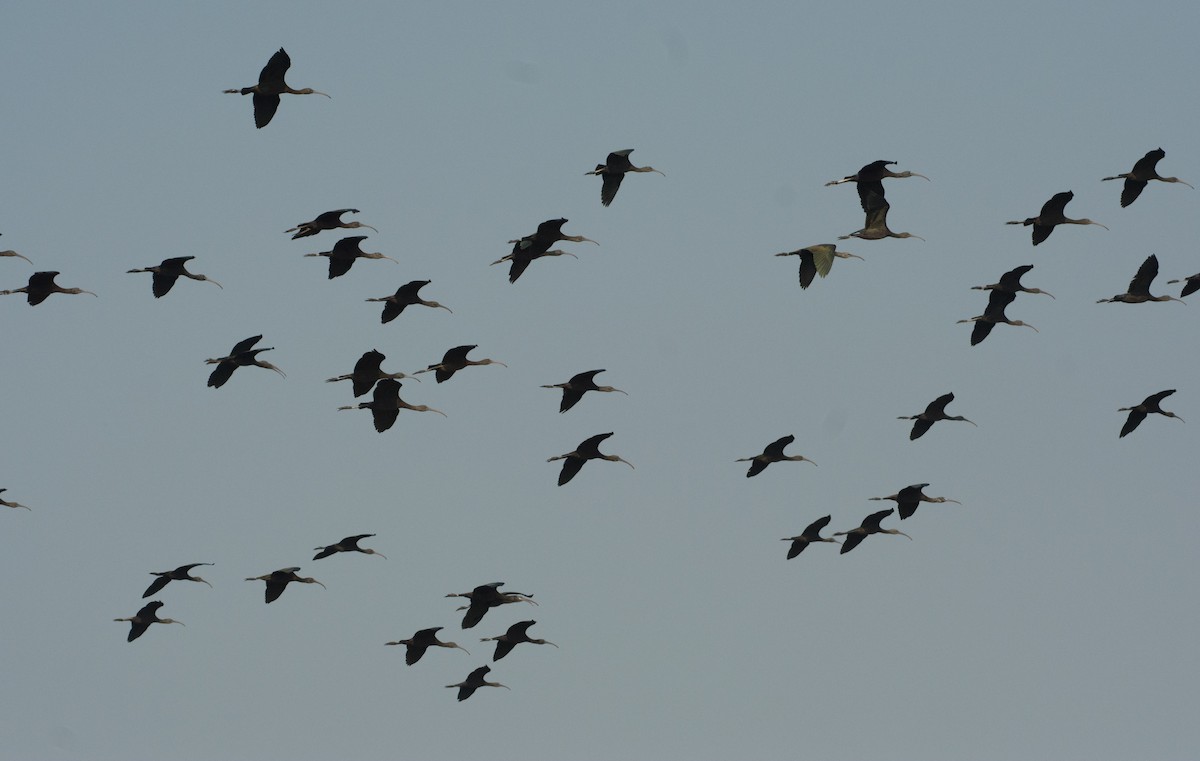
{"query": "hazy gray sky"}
{"type": "Point", "coordinates": [1050, 616]}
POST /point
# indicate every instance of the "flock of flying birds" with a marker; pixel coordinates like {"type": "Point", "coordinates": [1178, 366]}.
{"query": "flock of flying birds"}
{"type": "Point", "coordinates": [386, 404]}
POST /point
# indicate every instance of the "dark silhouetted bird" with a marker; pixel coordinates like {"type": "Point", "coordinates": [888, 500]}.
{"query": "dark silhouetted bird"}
{"type": "Point", "coordinates": [1138, 412]}
{"type": "Point", "coordinates": [240, 356]}
{"type": "Point", "coordinates": [574, 389]}
{"type": "Point", "coordinates": [773, 453]}
{"type": "Point", "coordinates": [474, 681]}
{"type": "Point", "coordinates": [166, 577]}
{"type": "Point", "coordinates": [277, 581]}
{"type": "Point", "coordinates": [934, 412]}
{"type": "Point", "coordinates": [270, 86]}
{"type": "Point", "coordinates": [349, 544]}
{"type": "Point", "coordinates": [1143, 171]}
{"type": "Point", "coordinates": [810, 535]}
{"type": "Point", "coordinates": [417, 644]}
{"type": "Point", "coordinates": [139, 623]}
{"type": "Point", "coordinates": [516, 634]}
{"type": "Point", "coordinates": [588, 449]}
{"type": "Point", "coordinates": [870, 525]}
{"type": "Point", "coordinates": [613, 170]}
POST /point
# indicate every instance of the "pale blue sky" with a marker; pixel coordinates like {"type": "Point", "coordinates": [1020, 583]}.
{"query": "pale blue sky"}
{"type": "Point", "coordinates": [1051, 616]}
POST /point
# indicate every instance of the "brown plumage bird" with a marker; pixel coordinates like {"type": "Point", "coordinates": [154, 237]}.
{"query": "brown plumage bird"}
{"type": "Point", "coordinates": [1139, 286]}
{"type": "Point", "coordinates": [368, 370]}
{"type": "Point", "coordinates": [277, 581]}
{"type": "Point", "coordinates": [417, 644]}
{"type": "Point", "coordinates": [270, 86]}
{"type": "Point", "coordinates": [574, 389]}
{"type": "Point", "coordinates": [613, 170]}
{"type": "Point", "coordinates": [1138, 412]}
{"type": "Point", "coordinates": [1010, 282]}
{"type": "Point", "coordinates": [485, 597]}
{"type": "Point", "coordinates": [474, 681]}
{"type": "Point", "coordinates": [535, 246]}
{"type": "Point", "coordinates": [330, 220]}
{"type": "Point", "coordinates": [588, 449]}
{"type": "Point", "coordinates": [870, 525]}
{"type": "Point", "coordinates": [168, 272]}
{"type": "Point", "coordinates": [140, 622]}
{"type": "Point", "coordinates": [385, 405]}
{"type": "Point", "coordinates": [876, 226]}
{"type": "Point", "coordinates": [934, 412]}
{"type": "Point", "coordinates": [817, 260]}
{"type": "Point", "coordinates": [1143, 171]}
{"type": "Point", "coordinates": [516, 634]}
{"type": "Point", "coordinates": [345, 252]}
{"type": "Point", "coordinates": [454, 360]}
{"type": "Point", "coordinates": [405, 296]}
{"type": "Point", "coordinates": [808, 536]}
{"type": "Point", "coordinates": [349, 544]}
{"type": "Point", "coordinates": [870, 179]}
{"type": "Point", "coordinates": [240, 356]}
{"type": "Point", "coordinates": [41, 285]}
{"type": "Point", "coordinates": [910, 498]}
{"type": "Point", "coordinates": [166, 577]}
{"type": "Point", "coordinates": [994, 314]}
{"type": "Point", "coordinates": [1052, 215]}
{"type": "Point", "coordinates": [772, 453]}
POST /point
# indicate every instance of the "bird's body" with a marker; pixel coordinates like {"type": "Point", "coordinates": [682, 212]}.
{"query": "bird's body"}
{"type": "Point", "coordinates": [1138, 412]}
{"type": "Point", "coordinates": [405, 296]}
{"type": "Point", "coordinates": [13, 505]}
{"type": "Point", "coordinates": [1010, 282]}
{"type": "Point", "coordinates": [454, 360]}
{"type": "Point", "coordinates": [870, 525]}
{"type": "Point", "coordinates": [41, 285]}
{"type": "Point", "coordinates": [817, 260]}
{"type": "Point", "coordinates": [1052, 215]}
{"type": "Point", "coordinates": [613, 170]}
{"type": "Point", "coordinates": [367, 370]}
{"type": "Point", "coordinates": [935, 411]}
{"type": "Point", "coordinates": [166, 577]}
{"type": "Point", "coordinates": [168, 272]}
{"type": "Point", "coordinates": [140, 622]}
{"type": "Point", "coordinates": [810, 535]}
{"type": "Point", "coordinates": [1143, 171]}
{"type": "Point", "coordinates": [909, 499]}
{"type": "Point", "coordinates": [270, 86]}
{"type": "Point", "coordinates": [574, 389]}
{"type": "Point", "coordinates": [10, 252]}
{"type": "Point", "coordinates": [277, 581]}
{"type": "Point", "coordinates": [772, 453]}
{"type": "Point", "coordinates": [385, 405]}
{"type": "Point", "coordinates": [516, 634]}
{"type": "Point", "coordinates": [994, 314]}
{"type": "Point", "coordinates": [876, 227]}
{"type": "Point", "coordinates": [345, 252]}
{"type": "Point", "coordinates": [417, 644]}
{"type": "Point", "coordinates": [330, 220]}
{"type": "Point", "coordinates": [474, 681]}
{"type": "Point", "coordinates": [589, 449]}
{"type": "Point", "coordinates": [349, 544]}
{"type": "Point", "coordinates": [242, 355]}
{"type": "Point", "coordinates": [1139, 286]}
{"type": "Point", "coordinates": [870, 179]}
{"type": "Point", "coordinates": [485, 597]}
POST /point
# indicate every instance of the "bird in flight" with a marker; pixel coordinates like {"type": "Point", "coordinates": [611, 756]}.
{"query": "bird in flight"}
{"type": "Point", "coordinates": [270, 86]}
